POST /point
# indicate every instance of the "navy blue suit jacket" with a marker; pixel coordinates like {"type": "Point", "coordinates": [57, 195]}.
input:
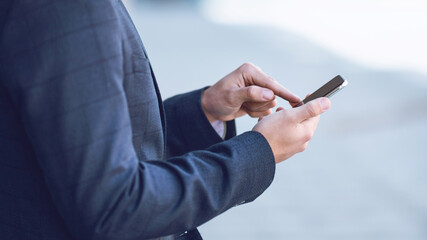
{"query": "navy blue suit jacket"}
{"type": "Point", "coordinates": [88, 150]}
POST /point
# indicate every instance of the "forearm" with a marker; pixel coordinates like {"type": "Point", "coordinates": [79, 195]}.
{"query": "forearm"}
{"type": "Point", "coordinates": [115, 196]}
{"type": "Point", "coordinates": [180, 194]}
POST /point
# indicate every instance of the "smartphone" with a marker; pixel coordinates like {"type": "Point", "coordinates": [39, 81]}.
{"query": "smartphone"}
{"type": "Point", "coordinates": [327, 90]}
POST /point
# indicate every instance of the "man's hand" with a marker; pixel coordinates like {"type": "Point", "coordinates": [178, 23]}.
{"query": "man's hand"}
{"type": "Point", "coordinates": [288, 131]}
{"type": "Point", "coordinates": [247, 90]}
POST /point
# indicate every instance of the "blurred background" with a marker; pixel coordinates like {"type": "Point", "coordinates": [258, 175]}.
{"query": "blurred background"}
{"type": "Point", "coordinates": [364, 173]}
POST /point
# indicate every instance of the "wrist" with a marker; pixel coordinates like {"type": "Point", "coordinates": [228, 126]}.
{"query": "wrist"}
{"type": "Point", "coordinates": [205, 106]}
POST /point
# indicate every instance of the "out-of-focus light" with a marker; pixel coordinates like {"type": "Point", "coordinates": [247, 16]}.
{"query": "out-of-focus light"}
{"type": "Point", "coordinates": [389, 34]}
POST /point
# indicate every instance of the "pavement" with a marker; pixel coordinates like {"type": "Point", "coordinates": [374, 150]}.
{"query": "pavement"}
{"type": "Point", "coordinates": [363, 174]}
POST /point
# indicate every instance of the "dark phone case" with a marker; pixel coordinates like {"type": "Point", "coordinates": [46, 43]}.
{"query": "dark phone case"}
{"type": "Point", "coordinates": [326, 89]}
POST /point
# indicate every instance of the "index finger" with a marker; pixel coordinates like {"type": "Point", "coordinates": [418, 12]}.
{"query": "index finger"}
{"type": "Point", "coordinates": [299, 104]}
{"type": "Point", "coordinates": [282, 92]}
{"type": "Point", "coordinates": [256, 76]}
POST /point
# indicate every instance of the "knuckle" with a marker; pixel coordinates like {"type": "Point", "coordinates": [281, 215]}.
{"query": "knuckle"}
{"type": "Point", "coordinates": [273, 103]}
{"type": "Point", "coordinates": [248, 64]}
{"type": "Point", "coordinates": [247, 68]}
{"type": "Point", "coordinates": [312, 109]}
{"type": "Point", "coordinates": [266, 113]}
{"type": "Point", "coordinates": [251, 92]}
{"type": "Point", "coordinates": [308, 136]}
{"type": "Point", "coordinates": [304, 147]}
{"type": "Point", "coordinates": [258, 114]}
{"type": "Point", "coordinates": [252, 114]}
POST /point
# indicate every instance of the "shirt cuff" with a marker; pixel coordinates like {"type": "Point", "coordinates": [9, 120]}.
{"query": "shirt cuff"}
{"type": "Point", "coordinates": [220, 128]}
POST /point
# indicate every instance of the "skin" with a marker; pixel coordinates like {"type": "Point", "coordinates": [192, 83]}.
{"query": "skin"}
{"type": "Point", "coordinates": [248, 90]}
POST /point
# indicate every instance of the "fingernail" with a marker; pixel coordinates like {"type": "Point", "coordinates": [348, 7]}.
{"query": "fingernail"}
{"type": "Point", "coordinates": [325, 103]}
{"type": "Point", "coordinates": [267, 94]}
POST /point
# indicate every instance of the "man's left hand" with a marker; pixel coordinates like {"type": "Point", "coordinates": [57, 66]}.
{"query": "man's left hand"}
{"type": "Point", "coordinates": [247, 90]}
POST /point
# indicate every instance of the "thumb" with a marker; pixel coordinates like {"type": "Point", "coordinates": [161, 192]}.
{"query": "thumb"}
{"type": "Point", "coordinates": [313, 108]}
{"type": "Point", "coordinates": [255, 94]}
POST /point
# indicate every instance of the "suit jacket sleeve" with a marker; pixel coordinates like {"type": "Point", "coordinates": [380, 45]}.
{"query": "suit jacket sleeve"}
{"type": "Point", "coordinates": [68, 90]}
{"type": "Point", "coordinates": [188, 129]}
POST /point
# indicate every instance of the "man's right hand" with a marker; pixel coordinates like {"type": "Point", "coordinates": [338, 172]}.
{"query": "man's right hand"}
{"type": "Point", "coordinates": [288, 131]}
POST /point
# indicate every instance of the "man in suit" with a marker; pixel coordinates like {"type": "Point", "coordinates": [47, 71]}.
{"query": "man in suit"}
{"type": "Point", "coordinates": [88, 150]}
